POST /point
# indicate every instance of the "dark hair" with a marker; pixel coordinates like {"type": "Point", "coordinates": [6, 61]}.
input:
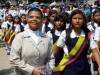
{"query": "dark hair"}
{"type": "Point", "coordinates": [66, 15]}
{"type": "Point", "coordinates": [95, 12]}
{"type": "Point", "coordinates": [62, 18]}
{"type": "Point", "coordinates": [50, 13]}
{"type": "Point", "coordinates": [11, 16]}
{"type": "Point", "coordinates": [18, 18]}
{"type": "Point", "coordinates": [35, 9]}
{"type": "Point", "coordinates": [84, 26]}
{"type": "Point", "coordinates": [22, 15]}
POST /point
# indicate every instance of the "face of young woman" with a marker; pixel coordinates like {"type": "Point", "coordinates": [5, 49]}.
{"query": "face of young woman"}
{"type": "Point", "coordinates": [34, 20]}
{"type": "Point", "coordinates": [97, 17]}
{"type": "Point", "coordinates": [9, 18]}
{"type": "Point", "coordinates": [59, 24]}
{"type": "Point", "coordinates": [16, 20]}
{"type": "Point", "coordinates": [77, 21]}
{"type": "Point", "coordinates": [23, 18]}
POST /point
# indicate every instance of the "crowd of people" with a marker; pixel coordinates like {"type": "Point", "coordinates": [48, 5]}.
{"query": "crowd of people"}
{"type": "Point", "coordinates": [49, 41]}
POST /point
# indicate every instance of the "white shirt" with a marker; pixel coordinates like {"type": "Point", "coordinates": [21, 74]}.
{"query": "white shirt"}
{"type": "Point", "coordinates": [34, 34]}
{"type": "Point", "coordinates": [58, 33]}
{"type": "Point", "coordinates": [1, 13]}
{"type": "Point", "coordinates": [5, 26]}
{"type": "Point", "coordinates": [17, 27]}
{"type": "Point", "coordinates": [62, 39]}
{"type": "Point", "coordinates": [43, 28]}
{"type": "Point", "coordinates": [67, 25]}
{"type": "Point", "coordinates": [90, 27]}
{"type": "Point", "coordinates": [49, 34]}
{"type": "Point", "coordinates": [23, 12]}
{"type": "Point", "coordinates": [24, 25]}
{"type": "Point", "coordinates": [97, 34]}
{"type": "Point", "coordinates": [7, 13]}
{"type": "Point", "coordinates": [50, 25]}
{"type": "Point", "coordinates": [15, 13]}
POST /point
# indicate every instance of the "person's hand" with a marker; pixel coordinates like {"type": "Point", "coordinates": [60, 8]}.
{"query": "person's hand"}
{"type": "Point", "coordinates": [99, 70]}
{"type": "Point", "coordinates": [37, 71]}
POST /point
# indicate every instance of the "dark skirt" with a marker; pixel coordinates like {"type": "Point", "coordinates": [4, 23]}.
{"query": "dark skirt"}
{"type": "Point", "coordinates": [80, 67]}
{"type": "Point", "coordinates": [58, 57]}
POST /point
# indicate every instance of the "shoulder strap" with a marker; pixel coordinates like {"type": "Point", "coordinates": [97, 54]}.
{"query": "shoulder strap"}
{"type": "Point", "coordinates": [68, 31]}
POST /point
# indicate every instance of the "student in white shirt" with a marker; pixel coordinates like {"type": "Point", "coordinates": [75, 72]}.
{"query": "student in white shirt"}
{"type": "Point", "coordinates": [93, 26]}
{"type": "Point", "coordinates": [54, 34]}
{"type": "Point", "coordinates": [95, 21]}
{"type": "Point", "coordinates": [7, 24]}
{"type": "Point", "coordinates": [23, 21]}
{"type": "Point", "coordinates": [76, 62]}
{"type": "Point", "coordinates": [50, 17]}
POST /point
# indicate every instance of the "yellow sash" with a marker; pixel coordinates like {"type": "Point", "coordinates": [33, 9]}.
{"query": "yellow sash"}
{"type": "Point", "coordinates": [5, 37]}
{"type": "Point", "coordinates": [70, 56]}
{"type": "Point", "coordinates": [11, 37]}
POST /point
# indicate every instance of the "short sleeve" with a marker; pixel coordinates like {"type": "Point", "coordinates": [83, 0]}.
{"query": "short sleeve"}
{"type": "Point", "coordinates": [49, 34]}
{"type": "Point", "coordinates": [97, 34]}
{"type": "Point", "coordinates": [3, 25]}
{"type": "Point", "coordinates": [90, 27]}
{"type": "Point", "coordinates": [92, 42]}
{"type": "Point", "coordinates": [61, 40]}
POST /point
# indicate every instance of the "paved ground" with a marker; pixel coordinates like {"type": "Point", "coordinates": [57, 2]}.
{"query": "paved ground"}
{"type": "Point", "coordinates": [5, 67]}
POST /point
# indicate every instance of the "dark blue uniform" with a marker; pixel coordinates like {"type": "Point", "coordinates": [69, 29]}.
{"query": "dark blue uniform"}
{"type": "Point", "coordinates": [60, 54]}
{"type": "Point", "coordinates": [81, 65]}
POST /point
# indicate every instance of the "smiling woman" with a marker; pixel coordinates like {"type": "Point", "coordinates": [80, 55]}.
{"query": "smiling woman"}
{"type": "Point", "coordinates": [31, 50]}
{"type": "Point", "coordinates": [34, 19]}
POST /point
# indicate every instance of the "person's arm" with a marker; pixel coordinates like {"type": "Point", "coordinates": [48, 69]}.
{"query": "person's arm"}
{"type": "Point", "coordinates": [96, 55]}
{"type": "Point", "coordinates": [50, 58]}
{"type": "Point", "coordinates": [98, 43]}
{"type": "Point", "coordinates": [16, 57]}
{"type": "Point", "coordinates": [95, 51]}
{"type": "Point", "coordinates": [97, 36]}
{"type": "Point", "coordinates": [56, 49]}
{"type": "Point", "coordinates": [60, 43]}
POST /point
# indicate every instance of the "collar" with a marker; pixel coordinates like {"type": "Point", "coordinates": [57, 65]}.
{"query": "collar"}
{"type": "Point", "coordinates": [36, 33]}
{"type": "Point", "coordinates": [58, 33]}
{"type": "Point", "coordinates": [73, 34]}
{"type": "Point", "coordinates": [50, 25]}
{"type": "Point", "coordinates": [9, 22]}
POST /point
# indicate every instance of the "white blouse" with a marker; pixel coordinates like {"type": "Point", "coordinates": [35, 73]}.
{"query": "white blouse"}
{"type": "Point", "coordinates": [58, 33]}
{"type": "Point", "coordinates": [34, 34]}
{"type": "Point", "coordinates": [97, 34]}
{"type": "Point", "coordinates": [62, 39]}
{"type": "Point", "coordinates": [5, 26]}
